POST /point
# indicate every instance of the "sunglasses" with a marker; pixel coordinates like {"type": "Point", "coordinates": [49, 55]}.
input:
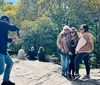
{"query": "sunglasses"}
{"type": "Point", "coordinates": [72, 32]}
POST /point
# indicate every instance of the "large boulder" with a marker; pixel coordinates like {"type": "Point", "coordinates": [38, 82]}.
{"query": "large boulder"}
{"type": "Point", "coordinates": [44, 73]}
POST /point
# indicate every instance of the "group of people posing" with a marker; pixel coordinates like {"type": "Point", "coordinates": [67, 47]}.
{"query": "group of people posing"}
{"type": "Point", "coordinates": [74, 47]}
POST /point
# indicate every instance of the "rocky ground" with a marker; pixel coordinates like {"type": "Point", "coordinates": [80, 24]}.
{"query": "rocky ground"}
{"type": "Point", "coordinates": [39, 73]}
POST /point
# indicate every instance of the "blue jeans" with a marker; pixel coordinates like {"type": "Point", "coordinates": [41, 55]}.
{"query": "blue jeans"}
{"type": "Point", "coordinates": [9, 63]}
{"type": "Point", "coordinates": [79, 58]}
{"type": "Point", "coordinates": [65, 63]}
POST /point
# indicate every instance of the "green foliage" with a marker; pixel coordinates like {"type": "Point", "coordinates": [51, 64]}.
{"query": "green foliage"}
{"type": "Point", "coordinates": [59, 15]}
{"type": "Point", "coordinates": [1, 3]}
{"type": "Point", "coordinates": [27, 10]}
{"type": "Point", "coordinates": [42, 32]}
{"type": "Point", "coordinates": [82, 66]}
{"type": "Point", "coordinates": [93, 60]}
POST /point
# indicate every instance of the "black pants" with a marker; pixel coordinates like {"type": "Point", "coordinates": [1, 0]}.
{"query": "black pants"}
{"type": "Point", "coordinates": [78, 59]}
{"type": "Point", "coordinates": [72, 64]}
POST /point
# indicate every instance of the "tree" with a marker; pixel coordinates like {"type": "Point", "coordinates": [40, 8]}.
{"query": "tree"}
{"type": "Point", "coordinates": [42, 32]}
{"type": "Point", "coordinates": [1, 2]}
{"type": "Point", "coordinates": [28, 10]}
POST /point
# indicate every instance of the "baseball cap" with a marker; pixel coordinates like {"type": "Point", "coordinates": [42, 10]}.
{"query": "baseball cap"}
{"type": "Point", "coordinates": [5, 17]}
{"type": "Point", "coordinates": [66, 27]}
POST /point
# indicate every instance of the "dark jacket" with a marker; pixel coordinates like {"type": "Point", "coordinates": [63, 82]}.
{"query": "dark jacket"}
{"type": "Point", "coordinates": [73, 44]}
{"type": "Point", "coordinates": [4, 28]}
{"type": "Point", "coordinates": [32, 55]}
{"type": "Point", "coordinates": [41, 56]}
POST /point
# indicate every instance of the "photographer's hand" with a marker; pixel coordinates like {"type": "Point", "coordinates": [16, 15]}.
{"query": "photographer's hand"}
{"type": "Point", "coordinates": [15, 38]}
{"type": "Point", "coordinates": [18, 34]}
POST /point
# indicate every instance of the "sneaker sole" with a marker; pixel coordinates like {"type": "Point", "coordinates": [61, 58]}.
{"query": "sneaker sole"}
{"type": "Point", "coordinates": [76, 78]}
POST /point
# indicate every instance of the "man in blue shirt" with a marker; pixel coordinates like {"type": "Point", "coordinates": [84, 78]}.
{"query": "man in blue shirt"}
{"type": "Point", "coordinates": [5, 26]}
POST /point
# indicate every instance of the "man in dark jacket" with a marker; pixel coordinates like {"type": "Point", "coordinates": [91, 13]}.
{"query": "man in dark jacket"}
{"type": "Point", "coordinates": [4, 57]}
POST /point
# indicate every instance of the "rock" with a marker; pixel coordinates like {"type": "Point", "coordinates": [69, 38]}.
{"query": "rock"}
{"type": "Point", "coordinates": [44, 73]}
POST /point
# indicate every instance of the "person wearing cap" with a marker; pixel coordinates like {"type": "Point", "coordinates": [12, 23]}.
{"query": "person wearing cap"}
{"type": "Point", "coordinates": [63, 44]}
{"type": "Point", "coordinates": [84, 48]}
{"type": "Point", "coordinates": [4, 56]}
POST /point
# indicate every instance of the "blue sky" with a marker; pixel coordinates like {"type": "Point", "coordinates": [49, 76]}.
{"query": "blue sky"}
{"type": "Point", "coordinates": [13, 1]}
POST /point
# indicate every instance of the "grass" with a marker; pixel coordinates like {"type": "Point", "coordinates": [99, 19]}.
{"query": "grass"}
{"type": "Point", "coordinates": [82, 66]}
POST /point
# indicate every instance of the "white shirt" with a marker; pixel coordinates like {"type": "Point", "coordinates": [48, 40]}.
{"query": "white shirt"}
{"type": "Point", "coordinates": [80, 44]}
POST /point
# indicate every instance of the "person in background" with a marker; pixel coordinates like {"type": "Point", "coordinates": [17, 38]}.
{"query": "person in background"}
{"type": "Point", "coordinates": [73, 43]}
{"type": "Point", "coordinates": [32, 54]}
{"type": "Point", "coordinates": [21, 54]}
{"type": "Point", "coordinates": [63, 48]}
{"type": "Point", "coordinates": [5, 26]}
{"type": "Point", "coordinates": [84, 48]}
{"type": "Point", "coordinates": [41, 54]}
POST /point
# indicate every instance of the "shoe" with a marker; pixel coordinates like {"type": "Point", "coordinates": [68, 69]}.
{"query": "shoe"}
{"type": "Point", "coordinates": [77, 76]}
{"type": "Point", "coordinates": [73, 76]}
{"type": "Point", "coordinates": [86, 77]}
{"type": "Point", "coordinates": [7, 83]}
{"type": "Point", "coordinates": [69, 76]}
